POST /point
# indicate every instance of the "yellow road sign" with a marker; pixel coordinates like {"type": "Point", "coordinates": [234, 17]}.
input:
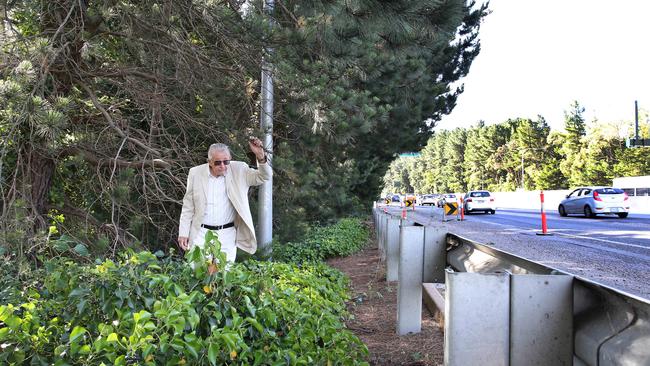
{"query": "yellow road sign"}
{"type": "Point", "coordinates": [387, 201]}
{"type": "Point", "coordinates": [408, 203]}
{"type": "Point", "coordinates": [451, 208]}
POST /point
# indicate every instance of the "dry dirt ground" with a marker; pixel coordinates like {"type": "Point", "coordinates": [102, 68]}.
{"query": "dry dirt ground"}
{"type": "Point", "coordinates": [374, 310]}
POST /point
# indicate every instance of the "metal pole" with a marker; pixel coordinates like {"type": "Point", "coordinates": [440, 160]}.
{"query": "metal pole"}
{"type": "Point", "coordinates": [265, 222]}
{"type": "Point", "coordinates": [523, 188]}
{"type": "Point", "coordinates": [636, 120]}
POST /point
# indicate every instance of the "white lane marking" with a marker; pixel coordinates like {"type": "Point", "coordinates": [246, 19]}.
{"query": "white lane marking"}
{"type": "Point", "coordinates": [571, 235]}
{"type": "Point", "coordinates": [603, 240]}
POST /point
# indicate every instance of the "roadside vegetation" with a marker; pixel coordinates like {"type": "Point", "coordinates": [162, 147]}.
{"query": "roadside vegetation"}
{"type": "Point", "coordinates": [492, 156]}
{"type": "Point", "coordinates": [346, 237]}
{"type": "Point", "coordinates": [153, 309]}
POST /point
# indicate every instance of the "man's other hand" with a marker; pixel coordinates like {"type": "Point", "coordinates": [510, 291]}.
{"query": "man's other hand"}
{"type": "Point", "coordinates": [183, 242]}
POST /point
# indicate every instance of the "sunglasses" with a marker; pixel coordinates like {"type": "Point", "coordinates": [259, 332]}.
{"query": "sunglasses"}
{"type": "Point", "coordinates": [221, 162]}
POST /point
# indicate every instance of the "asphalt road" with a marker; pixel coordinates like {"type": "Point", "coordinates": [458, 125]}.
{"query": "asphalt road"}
{"type": "Point", "coordinates": [605, 249]}
{"type": "Point", "coordinates": [630, 236]}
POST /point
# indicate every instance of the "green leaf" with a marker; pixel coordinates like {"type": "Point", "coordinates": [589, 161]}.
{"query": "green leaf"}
{"type": "Point", "coordinates": [141, 316]}
{"type": "Point", "coordinates": [230, 339]}
{"type": "Point", "coordinates": [112, 337]}
{"type": "Point", "coordinates": [60, 245]}
{"type": "Point", "coordinates": [121, 294]}
{"type": "Point", "coordinates": [120, 361]}
{"type": "Point", "coordinates": [13, 322]}
{"type": "Point", "coordinates": [5, 312]}
{"type": "Point", "coordinates": [192, 347]}
{"type": "Point", "coordinates": [213, 351]}
{"type": "Point", "coordinates": [19, 357]}
{"type": "Point", "coordinates": [249, 305]}
{"type": "Point", "coordinates": [255, 324]}
{"type": "Point", "coordinates": [85, 349]}
{"type": "Point", "coordinates": [58, 351]}
{"type": "Point", "coordinates": [81, 250]}
{"type": "Point", "coordinates": [81, 306]}
{"type": "Point", "coordinates": [77, 332]}
{"type": "Point", "coordinates": [3, 333]}
{"type": "Point", "coordinates": [78, 292]}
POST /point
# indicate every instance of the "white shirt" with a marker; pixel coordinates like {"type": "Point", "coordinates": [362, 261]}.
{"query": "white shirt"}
{"type": "Point", "coordinates": [219, 210]}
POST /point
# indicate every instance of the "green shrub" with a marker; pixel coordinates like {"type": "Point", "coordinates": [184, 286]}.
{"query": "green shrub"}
{"type": "Point", "coordinates": [342, 239]}
{"type": "Point", "coordinates": [148, 310]}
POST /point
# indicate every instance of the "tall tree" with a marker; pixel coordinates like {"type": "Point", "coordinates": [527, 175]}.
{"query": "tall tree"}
{"type": "Point", "coordinates": [454, 152]}
{"type": "Point", "coordinates": [574, 124]}
{"type": "Point", "coordinates": [107, 104]}
{"type": "Point", "coordinates": [550, 175]}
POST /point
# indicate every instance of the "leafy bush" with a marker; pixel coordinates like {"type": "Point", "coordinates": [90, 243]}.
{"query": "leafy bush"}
{"type": "Point", "coordinates": [148, 310]}
{"type": "Point", "coordinates": [342, 239]}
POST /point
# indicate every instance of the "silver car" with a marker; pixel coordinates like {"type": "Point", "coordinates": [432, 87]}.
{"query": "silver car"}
{"type": "Point", "coordinates": [591, 201]}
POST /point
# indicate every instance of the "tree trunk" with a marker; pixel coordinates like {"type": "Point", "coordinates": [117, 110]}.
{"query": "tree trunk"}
{"type": "Point", "coordinates": [41, 170]}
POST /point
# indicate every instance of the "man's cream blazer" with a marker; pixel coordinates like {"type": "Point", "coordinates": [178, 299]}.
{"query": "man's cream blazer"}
{"type": "Point", "coordinates": [239, 178]}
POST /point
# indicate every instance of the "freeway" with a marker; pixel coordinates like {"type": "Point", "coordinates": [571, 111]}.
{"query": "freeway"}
{"type": "Point", "coordinates": [607, 249]}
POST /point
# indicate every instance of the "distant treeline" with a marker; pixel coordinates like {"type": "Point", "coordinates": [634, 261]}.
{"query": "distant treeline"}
{"type": "Point", "coordinates": [523, 152]}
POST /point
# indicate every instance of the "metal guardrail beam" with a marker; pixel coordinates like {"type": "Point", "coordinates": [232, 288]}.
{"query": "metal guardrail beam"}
{"type": "Point", "coordinates": [611, 327]}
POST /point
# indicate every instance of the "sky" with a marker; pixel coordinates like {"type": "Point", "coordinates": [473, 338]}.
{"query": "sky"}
{"type": "Point", "coordinates": [538, 56]}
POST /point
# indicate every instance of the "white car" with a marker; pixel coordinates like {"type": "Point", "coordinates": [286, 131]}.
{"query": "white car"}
{"type": "Point", "coordinates": [479, 201]}
{"type": "Point", "coordinates": [428, 199]}
{"type": "Point", "coordinates": [590, 201]}
{"type": "Point", "coordinates": [448, 197]}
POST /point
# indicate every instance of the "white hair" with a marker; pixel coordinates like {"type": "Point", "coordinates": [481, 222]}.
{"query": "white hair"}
{"type": "Point", "coordinates": [218, 147]}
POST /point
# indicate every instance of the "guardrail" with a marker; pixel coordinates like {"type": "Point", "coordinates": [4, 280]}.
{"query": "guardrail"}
{"type": "Point", "coordinates": [510, 310]}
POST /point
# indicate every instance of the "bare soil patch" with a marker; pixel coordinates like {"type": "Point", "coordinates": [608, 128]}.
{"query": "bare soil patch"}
{"type": "Point", "coordinates": [374, 310]}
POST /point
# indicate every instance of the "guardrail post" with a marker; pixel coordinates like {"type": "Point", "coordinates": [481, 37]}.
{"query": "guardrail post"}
{"type": "Point", "coordinates": [409, 289]}
{"type": "Point", "coordinates": [435, 255]}
{"type": "Point", "coordinates": [375, 221]}
{"type": "Point", "coordinates": [382, 243]}
{"type": "Point", "coordinates": [392, 248]}
{"type": "Point", "coordinates": [541, 320]}
{"type": "Point", "coordinates": [477, 311]}
{"type": "Point", "coordinates": [378, 228]}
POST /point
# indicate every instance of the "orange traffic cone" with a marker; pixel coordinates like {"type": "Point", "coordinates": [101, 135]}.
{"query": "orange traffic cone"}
{"type": "Point", "coordinates": [403, 213]}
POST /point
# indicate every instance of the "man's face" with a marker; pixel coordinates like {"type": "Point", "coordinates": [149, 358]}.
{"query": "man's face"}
{"type": "Point", "coordinates": [218, 162]}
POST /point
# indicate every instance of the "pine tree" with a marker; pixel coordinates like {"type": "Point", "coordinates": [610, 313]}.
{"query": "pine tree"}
{"type": "Point", "coordinates": [574, 124]}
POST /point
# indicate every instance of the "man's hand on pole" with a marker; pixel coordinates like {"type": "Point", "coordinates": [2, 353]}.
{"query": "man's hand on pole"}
{"type": "Point", "coordinates": [257, 148]}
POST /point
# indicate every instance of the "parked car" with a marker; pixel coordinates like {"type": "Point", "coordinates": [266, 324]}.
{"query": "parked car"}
{"type": "Point", "coordinates": [446, 197]}
{"type": "Point", "coordinates": [591, 201]}
{"type": "Point", "coordinates": [479, 201]}
{"type": "Point", "coordinates": [428, 200]}
{"type": "Point", "coordinates": [395, 198]}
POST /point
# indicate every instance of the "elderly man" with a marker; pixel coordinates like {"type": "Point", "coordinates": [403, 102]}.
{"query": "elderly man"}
{"type": "Point", "coordinates": [217, 199]}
